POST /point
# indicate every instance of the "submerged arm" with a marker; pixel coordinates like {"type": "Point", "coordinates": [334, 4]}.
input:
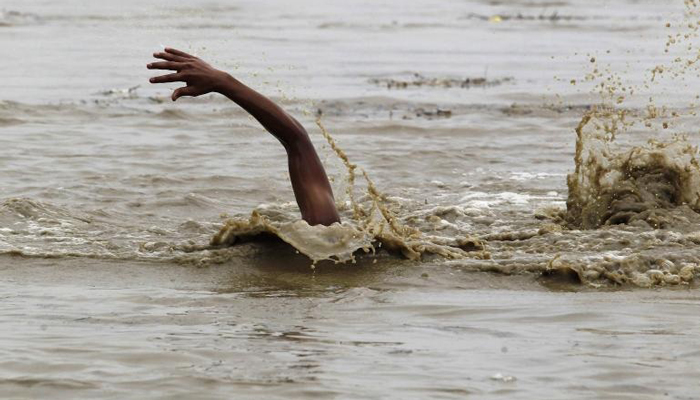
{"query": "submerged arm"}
{"type": "Point", "coordinates": [311, 187]}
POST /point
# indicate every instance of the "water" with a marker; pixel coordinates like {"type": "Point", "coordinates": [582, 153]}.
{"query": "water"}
{"type": "Point", "coordinates": [462, 114]}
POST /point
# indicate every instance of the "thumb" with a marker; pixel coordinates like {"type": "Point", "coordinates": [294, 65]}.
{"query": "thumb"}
{"type": "Point", "coordinates": [183, 91]}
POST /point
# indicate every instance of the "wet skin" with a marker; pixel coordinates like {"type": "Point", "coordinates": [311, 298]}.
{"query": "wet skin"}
{"type": "Point", "coordinates": [309, 180]}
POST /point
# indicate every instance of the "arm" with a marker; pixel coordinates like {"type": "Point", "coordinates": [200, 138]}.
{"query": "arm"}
{"type": "Point", "coordinates": [311, 187]}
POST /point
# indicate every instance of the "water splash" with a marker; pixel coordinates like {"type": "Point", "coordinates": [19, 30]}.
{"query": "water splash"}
{"type": "Point", "coordinates": [657, 183]}
{"type": "Point", "coordinates": [372, 221]}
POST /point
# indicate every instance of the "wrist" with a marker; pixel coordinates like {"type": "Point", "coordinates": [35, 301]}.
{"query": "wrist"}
{"type": "Point", "coordinates": [228, 85]}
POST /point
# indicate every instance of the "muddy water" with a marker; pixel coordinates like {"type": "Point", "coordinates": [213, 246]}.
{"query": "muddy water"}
{"type": "Point", "coordinates": [501, 251]}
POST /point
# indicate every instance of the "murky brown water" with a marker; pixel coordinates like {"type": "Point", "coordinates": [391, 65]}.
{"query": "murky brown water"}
{"type": "Point", "coordinates": [476, 279]}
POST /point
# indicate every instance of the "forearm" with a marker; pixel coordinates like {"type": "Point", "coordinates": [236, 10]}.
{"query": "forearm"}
{"type": "Point", "coordinates": [271, 116]}
{"type": "Point", "coordinates": [311, 187]}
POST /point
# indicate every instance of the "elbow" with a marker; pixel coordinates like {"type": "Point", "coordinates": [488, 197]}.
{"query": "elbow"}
{"type": "Point", "coordinates": [297, 141]}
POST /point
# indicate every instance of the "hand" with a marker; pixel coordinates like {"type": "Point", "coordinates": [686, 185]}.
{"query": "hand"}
{"type": "Point", "coordinates": [200, 77]}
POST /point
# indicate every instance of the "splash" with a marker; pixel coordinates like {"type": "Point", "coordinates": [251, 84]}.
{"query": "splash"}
{"type": "Point", "coordinates": [657, 183]}
{"type": "Point", "coordinates": [372, 221]}
{"type": "Point", "coordinates": [650, 190]}
{"type": "Point", "coordinates": [337, 242]}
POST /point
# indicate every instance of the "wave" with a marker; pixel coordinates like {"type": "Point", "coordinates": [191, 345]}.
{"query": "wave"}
{"type": "Point", "coordinates": [418, 80]}
{"type": "Point", "coordinates": [16, 18]}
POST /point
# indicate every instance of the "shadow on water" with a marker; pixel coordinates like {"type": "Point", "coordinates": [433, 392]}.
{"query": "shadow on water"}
{"type": "Point", "coordinates": [277, 267]}
{"type": "Point", "coordinates": [274, 268]}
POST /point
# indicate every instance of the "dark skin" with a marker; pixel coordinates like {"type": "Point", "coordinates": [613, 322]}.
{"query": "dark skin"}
{"type": "Point", "coordinates": [311, 187]}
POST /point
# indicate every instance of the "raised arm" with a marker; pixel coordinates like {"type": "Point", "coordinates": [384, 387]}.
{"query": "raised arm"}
{"type": "Point", "coordinates": [311, 187]}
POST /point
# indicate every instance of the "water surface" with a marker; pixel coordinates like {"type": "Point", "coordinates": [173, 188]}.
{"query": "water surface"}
{"type": "Point", "coordinates": [461, 113]}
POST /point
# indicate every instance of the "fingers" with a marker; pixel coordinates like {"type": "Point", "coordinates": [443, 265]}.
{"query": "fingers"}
{"type": "Point", "coordinates": [184, 91]}
{"type": "Point", "coordinates": [176, 77]}
{"type": "Point", "coordinates": [174, 66]}
{"type": "Point", "coordinates": [169, 57]}
{"type": "Point", "coordinates": [178, 52]}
